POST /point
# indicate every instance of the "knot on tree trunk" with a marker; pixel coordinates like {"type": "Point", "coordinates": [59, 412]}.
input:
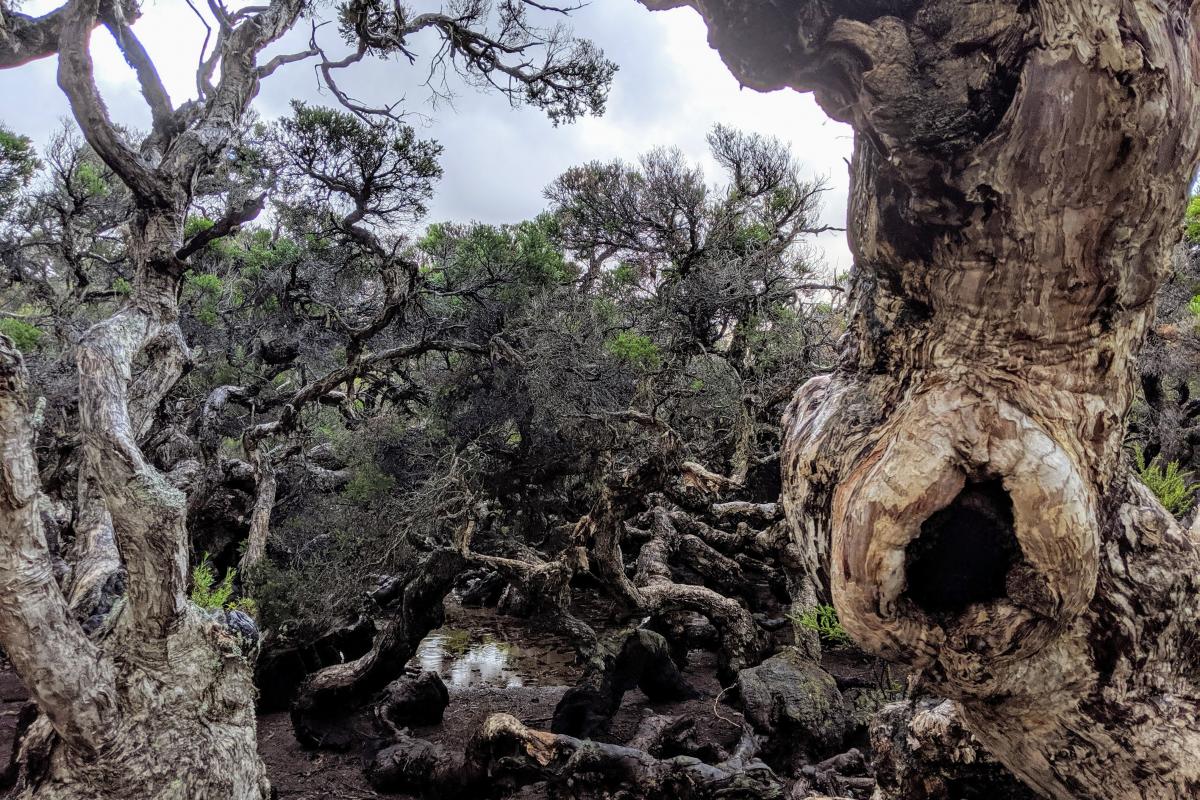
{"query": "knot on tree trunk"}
{"type": "Point", "coordinates": [965, 539]}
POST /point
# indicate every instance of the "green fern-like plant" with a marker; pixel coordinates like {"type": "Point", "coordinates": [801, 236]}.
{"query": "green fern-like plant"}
{"type": "Point", "coordinates": [824, 620]}
{"type": "Point", "coordinates": [209, 593]}
{"type": "Point", "coordinates": [1172, 484]}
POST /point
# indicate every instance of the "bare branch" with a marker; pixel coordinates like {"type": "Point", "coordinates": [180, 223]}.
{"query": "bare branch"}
{"type": "Point", "coordinates": [161, 110]}
{"type": "Point", "coordinates": [24, 38]}
{"type": "Point", "coordinates": [76, 79]}
{"type": "Point", "coordinates": [234, 218]}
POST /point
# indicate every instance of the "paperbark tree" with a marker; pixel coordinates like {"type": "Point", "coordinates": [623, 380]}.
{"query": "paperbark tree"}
{"type": "Point", "coordinates": [158, 700]}
{"type": "Point", "coordinates": [1019, 177]}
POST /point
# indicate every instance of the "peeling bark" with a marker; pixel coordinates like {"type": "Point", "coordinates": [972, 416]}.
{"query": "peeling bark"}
{"type": "Point", "coordinates": [506, 754]}
{"type": "Point", "coordinates": [1019, 175]}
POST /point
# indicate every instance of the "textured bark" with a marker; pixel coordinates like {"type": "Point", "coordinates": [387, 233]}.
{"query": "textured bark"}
{"type": "Point", "coordinates": [505, 755]}
{"type": "Point", "coordinates": [25, 38]}
{"type": "Point", "coordinates": [660, 594]}
{"type": "Point", "coordinates": [641, 658]}
{"type": "Point", "coordinates": [329, 696]}
{"type": "Point", "coordinates": [37, 635]}
{"type": "Point", "coordinates": [158, 701]}
{"type": "Point", "coordinates": [921, 752]}
{"type": "Point", "coordinates": [109, 729]}
{"type": "Point", "coordinates": [958, 483]}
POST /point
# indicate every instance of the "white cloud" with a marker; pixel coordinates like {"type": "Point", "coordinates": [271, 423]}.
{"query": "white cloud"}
{"type": "Point", "coordinates": [672, 88]}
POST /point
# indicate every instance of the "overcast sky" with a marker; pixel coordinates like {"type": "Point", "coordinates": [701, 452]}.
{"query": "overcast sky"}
{"type": "Point", "coordinates": [671, 89]}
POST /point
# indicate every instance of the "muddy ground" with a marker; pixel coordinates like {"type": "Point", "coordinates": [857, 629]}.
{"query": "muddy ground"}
{"type": "Point", "coordinates": [489, 664]}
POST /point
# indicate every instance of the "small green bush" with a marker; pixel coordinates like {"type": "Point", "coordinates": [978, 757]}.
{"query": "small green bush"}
{"type": "Point", "coordinates": [824, 620]}
{"type": "Point", "coordinates": [1194, 306]}
{"type": "Point", "coordinates": [25, 336]}
{"type": "Point", "coordinates": [205, 291]}
{"type": "Point", "coordinates": [369, 482]}
{"type": "Point", "coordinates": [92, 179]}
{"type": "Point", "coordinates": [1191, 221]}
{"type": "Point", "coordinates": [1171, 485]}
{"type": "Point", "coordinates": [634, 348]}
{"type": "Point", "coordinates": [212, 595]}
{"type": "Point", "coordinates": [207, 592]}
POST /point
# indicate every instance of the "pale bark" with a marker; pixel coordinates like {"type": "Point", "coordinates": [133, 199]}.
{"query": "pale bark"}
{"type": "Point", "coordinates": [660, 594]}
{"type": "Point", "coordinates": [25, 38]}
{"type": "Point", "coordinates": [62, 669]}
{"type": "Point", "coordinates": [958, 483]}
{"type": "Point", "coordinates": [159, 701]}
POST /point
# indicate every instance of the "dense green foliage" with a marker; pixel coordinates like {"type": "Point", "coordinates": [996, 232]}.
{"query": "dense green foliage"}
{"type": "Point", "coordinates": [1172, 485]}
{"type": "Point", "coordinates": [823, 619]}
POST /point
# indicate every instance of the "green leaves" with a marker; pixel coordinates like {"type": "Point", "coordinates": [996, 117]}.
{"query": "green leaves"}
{"type": "Point", "coordinates": [24, 335]}
{"type": "Point", "coordinates": [379, 172]}
{"type": "Point", "coordinates": [204, 291]}
{"type": "Point", "coordinates": [1172, 485]}
{"type": "Point", "coordinates": [18, 164]}
{"type": "Point", "coordinates": [207, 592]}
{"type": "Point", "coordinates": [1191, 221]}
{"type": "Point", "coordinates": [635, 348]}
{"type": "Point", "coordinates": [824, 620]}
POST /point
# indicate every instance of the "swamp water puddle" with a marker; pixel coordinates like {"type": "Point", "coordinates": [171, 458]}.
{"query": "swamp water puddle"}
{"type": "Point", "coordinates": [473, 651]}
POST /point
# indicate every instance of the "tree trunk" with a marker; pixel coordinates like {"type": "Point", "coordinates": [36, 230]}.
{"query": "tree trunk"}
{"type": "Point", "coordinates": [111, 728]}
{"type": "Point", "coordinates": [959, 483]}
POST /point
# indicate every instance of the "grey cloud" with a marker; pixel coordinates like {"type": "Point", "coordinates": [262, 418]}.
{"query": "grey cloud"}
{"type": "Point", "coordinates": [670, 90]}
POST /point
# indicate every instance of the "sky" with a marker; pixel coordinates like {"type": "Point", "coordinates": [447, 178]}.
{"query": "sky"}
{"type": "Point", "coordinates": [670, 90]}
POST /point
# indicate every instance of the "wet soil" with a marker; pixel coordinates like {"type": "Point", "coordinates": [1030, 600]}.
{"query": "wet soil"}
{"type": "Point", "coordinates": [490, 664]}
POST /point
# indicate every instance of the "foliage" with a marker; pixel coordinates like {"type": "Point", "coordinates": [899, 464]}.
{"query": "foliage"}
{"type": "Point", "coordinates": [635, 348]}
{"type": "Point", "coordinates": [1193, 306]}
{"type": "Point", "coordinates": [332, 160]}
{"type": "Point", "coordinates": [368, 483]}
{"type": "Point", "coordinates": [23, 334]}
{"type": "Point", "coordinates": [204, 291]}
{"type": "Point", "coordinates": [207, 592]}
{"type": "Point", "coordinates": [824, 620]}
{"type": "Point", "coordinates": [1191, 221]}
{"type": "Point", "coordinates": [18, 164]}
{"type": "Point", "coordinates": [1171, 484]}
{"type": "Point", "coordinates": [90, 177]}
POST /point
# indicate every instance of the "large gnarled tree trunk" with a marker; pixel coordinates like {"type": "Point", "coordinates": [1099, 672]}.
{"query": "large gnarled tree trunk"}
{"type": "Point", "coordinates": [151, 696]}
{"type": "Point", "coordinates": [1019, 177]}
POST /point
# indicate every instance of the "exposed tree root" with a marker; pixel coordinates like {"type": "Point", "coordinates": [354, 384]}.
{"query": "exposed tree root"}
{"type": "Point", "coordinates": [642, 658]}
{"type": "Point", "coordinates": [504, 755]}
{"type": "Point", "coordinates": [326, 697]}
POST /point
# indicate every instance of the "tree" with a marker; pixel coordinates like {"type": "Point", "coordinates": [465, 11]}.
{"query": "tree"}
{"type": "Point", "coordinates": [1019, 175]}
{"type": "Point", "coordinates": [157, 701]}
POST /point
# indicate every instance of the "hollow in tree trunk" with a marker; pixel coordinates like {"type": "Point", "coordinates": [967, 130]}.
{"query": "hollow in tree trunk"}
{"type": "Point", "coordinates": [959, 483]}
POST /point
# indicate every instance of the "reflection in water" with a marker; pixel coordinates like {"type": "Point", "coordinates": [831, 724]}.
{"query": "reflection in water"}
{"type": "Point", "coordinates": [463, 662]}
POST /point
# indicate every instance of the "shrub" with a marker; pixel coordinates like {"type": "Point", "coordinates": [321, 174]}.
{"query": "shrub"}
{"type": "Point", "coordinates": [824, 620]}
{"type": "Point", "coordinates": [634, 348]}
{"type": "Point", "coordinates": [1194, 306]}
{"type": "Point", "coordinates": [205, 291]}
{"type": "Point", "coordinates": [1191, 221]}
{"type": "Point", "coordinates": [1171, 485]}
{"type": "Point", "coordinates": [369, 482]}
{"type": "Point", "coordinates": [25, 336]}
{"type": "Point", "coordinates": [212, 595]}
